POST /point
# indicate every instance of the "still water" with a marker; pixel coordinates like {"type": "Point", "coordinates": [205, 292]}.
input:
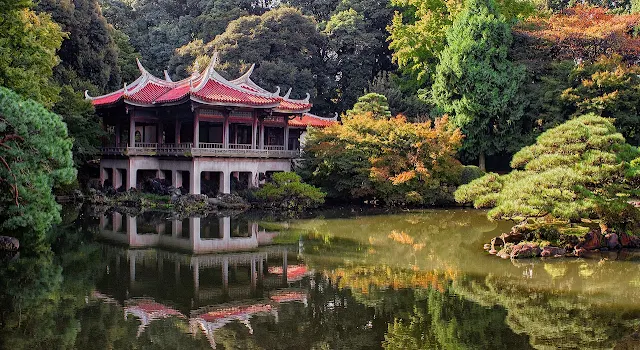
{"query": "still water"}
{"type": "Point", "coordinates": [410, 280]}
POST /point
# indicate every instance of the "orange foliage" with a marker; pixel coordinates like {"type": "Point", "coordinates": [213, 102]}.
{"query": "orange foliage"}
{"type": "Point", "coordinates": [584, 32]}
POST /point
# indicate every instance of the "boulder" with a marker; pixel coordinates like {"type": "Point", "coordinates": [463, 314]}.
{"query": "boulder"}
{"type": "Point", "coordinates": [10, 244]}
{"type": "Point", "coordinates": [525, 250]}
{"type": "Point", "coordinates": [628, 241]}
{"type": "Point", "coordinates": [512, 237]}
{"type": "Point", "coordinates": [553, 252]}
{"type": "Point", "coordinates": [592, 240]}
{"type": "Point", "coordinates": [612, 241]}
{"type": "Point", "coordinates": [505, 252]}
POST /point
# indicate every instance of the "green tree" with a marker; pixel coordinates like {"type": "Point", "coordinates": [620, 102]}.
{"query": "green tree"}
{"type": "Point", "coordinates": [35, 155]}
{"type": "Point", "coordinates": [373, 103]}
{"type": "Point", "coordinates": [418, 32]}
{"type": "Point", "coordinates": [89, 55]}
{"type": "Point", "coordinates": [28, 45]}
{"type": "Point", "coordinates": [569, 173]}
{"type": "Point", "coordinates": [351, 50]}
{"type": "Point", "coordinates": [477, 84]}
{"type": "Point", "coordinates": [287, 191]}
{"type": "Point", "coordinates": [402, 100]}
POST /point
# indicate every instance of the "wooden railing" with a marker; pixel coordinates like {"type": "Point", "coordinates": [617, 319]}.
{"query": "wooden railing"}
{"type": "Point", "coordinates": [239, 146]}
{"type": "Point", "coordinates": [203, 150]}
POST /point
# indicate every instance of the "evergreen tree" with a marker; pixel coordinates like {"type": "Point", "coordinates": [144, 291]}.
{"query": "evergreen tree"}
{"type": "Point", "coordinates": [373, 103]}
{"type": "Point", "coordinates": [35, 155]}
{"type": "Point", "coordinates": [477, 84]}
{"type": "Point", "coordinates": [28, 45]}
{"type": "Point", "coordinates": [89, 56]}
{"type": "Point", "coordinates": [571, 172]}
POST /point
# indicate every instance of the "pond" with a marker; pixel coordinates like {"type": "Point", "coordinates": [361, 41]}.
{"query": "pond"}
{"type": "Point", "coordinates": [342, 280]}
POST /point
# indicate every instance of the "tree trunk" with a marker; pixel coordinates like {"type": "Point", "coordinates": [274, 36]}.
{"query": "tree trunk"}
{"type": "Point", "coordinates": [481, 162]}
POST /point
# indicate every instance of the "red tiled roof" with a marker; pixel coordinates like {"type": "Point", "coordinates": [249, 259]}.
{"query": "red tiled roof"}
{"type": "Point", "coordinates": [289, 105]}
{"type": "Point", "coordinates": [208, 88]}
{"type": "Point", "coordinates": [148, 93]}
{"type": "Point", "coordinates": [214, 91]}
{"type": "Point", "coordinates": [108, 99]}
{"type": "Point", "coordinates": [309, 119]}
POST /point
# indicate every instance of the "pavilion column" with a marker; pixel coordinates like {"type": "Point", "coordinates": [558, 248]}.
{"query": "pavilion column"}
{"type": "Point", "coordinates": [254, 133]}
{"type": "Point", "coordinates": [225, 132]}
{"type": "Point", "coordinates": [176, 228]}
{"type": "Point", "coordinates": [116, 178]}
{"type": "Point", "coordinates": [160, 132]}
{"type": "Point", "coordinates": [117, 131]}
{"type": "Point", "coordinates": [286, 134]}
{"type": "Point", "coordinates": [176, 180]}
{"type": "Point", "coordinates": [131, 174]}
{"type": "Point", "coordinates": [262, 135]}
{"type": "Point", "coordinates": [196, 131]}
{"type": "Point", "coordinates": [177, 131]}
{"type": "Point", "coordinates": [132, 132]}
{"type": "Point", "coordinates": [195, 177]}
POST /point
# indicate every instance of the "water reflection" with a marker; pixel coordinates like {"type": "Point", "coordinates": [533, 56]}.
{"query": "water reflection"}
{"type": "Point", "coordinates": [195, 235]}
{"type": "Point", "coordinates": [404, 281]}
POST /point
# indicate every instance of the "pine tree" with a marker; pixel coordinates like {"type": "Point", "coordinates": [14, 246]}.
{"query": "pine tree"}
{"type": "Point", "coordinates": [477, 84]}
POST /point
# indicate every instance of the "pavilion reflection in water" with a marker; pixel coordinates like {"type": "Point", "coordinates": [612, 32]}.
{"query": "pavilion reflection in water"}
{"type": "Point", "coordinates": [214, 284]}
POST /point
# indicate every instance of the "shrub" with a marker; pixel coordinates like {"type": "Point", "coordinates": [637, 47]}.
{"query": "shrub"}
{"type": "Point", "coordinates": [287, 191]}
{"type": "Point", "coordinates": [470, 173]}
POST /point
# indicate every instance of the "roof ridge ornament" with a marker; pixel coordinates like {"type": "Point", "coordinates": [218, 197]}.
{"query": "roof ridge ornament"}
{"type": "Point", "coordinates": [167, 77]}
{"type": "Point", "coordinates": [86, 95]}
{"type": "Point", "coordinates": [277, 92]}
{"type": "Point", "coordinates": [141, 67]}
{"type": "Point", "coordinates": [286, 96]}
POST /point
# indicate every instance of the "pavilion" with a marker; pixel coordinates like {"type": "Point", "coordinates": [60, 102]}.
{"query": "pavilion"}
{"type": "Point", "coordinates": [200, 132]}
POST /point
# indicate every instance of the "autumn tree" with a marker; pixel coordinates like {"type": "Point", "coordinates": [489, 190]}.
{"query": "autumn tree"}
{"type": "Point", "coordinates": [28, 45]}
{"type": "Point", "coordinates": [477, 84]}
{"type": "Point", "coordinates": [571, 172]}
{"type": "Point", "coordinates": [391, 160]}
{"type": "Point", "coordinates": [35, 155]}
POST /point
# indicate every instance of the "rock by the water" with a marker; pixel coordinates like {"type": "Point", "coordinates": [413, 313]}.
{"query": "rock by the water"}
{"type": "Point", "coordinates": [612, 241]}
{"type": "Point", "coordinates": [629, 241]}
{"type": "Point", "coordinates": [505, 252]}
{"type": "Point", "coordinates": [550, 251]}
{"type": "Point", "coordinates": [10, 244]}
{"type": "Point", "coordinates": [513, 237]}
{"type": "Point", "coordinates": [592, 240]}
{"type": "Point", "coordinates": [525, 250]}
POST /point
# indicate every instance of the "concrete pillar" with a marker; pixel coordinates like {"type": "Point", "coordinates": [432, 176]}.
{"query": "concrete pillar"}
{"type": "Point", "coordinates": [176, 228]}
{"type": "Point", "coordinates": [132, 229]}
{"type": "Point", "coordinates": [132, 132]}
{"type": "Point", "coordinates": [225, 227]}
{"type": "Point", "coordinates": [253, 180]}
{"type": "Point", "coordinates": [194, 233]}
{"type": "Point", "coordinates": [160, 174]}
{"type": "Point", "coordinates": [132, 174]}
{"type": "Point", "coordinates": [177, 131]}
{"type": "Point", "coordinates": [104, 175]}
{"type": "Point", "coordinates": [116, 178]}
{"type": "Point", "coordinates": [225, 132]}
{"type": "Point", "coordinates": [196, 131]}
{"type": "Point", "coordinates": [176, 180]}
{"type": "Point", "coordinates": [225, 183]}
{"type": "Point", "coordinates": [195, 178]}
{"type": "Point", "coordinates": [117, 221]}
{"type": "Point", "coordinates": [286, 134]}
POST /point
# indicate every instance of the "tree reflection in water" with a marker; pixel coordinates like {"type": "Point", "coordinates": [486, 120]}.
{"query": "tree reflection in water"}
{"type": "Point", "coordinates": [389, 281]}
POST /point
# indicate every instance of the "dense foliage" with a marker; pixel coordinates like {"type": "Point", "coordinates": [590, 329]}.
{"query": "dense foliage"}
{"type": "Point", "coordinates": [477, 84]}
{"type": "Point", "coordinates": [286, 191]}
{"type": "Point", "coordinates": [570, 172]}
{"type": "Point", "coordinates": [35, 155]}
{"type": "Point", "coordinates": [389, 160]}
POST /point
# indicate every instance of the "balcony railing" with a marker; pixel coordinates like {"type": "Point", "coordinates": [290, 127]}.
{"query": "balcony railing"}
{"type": "Point", "coordinates": [203, 150]}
